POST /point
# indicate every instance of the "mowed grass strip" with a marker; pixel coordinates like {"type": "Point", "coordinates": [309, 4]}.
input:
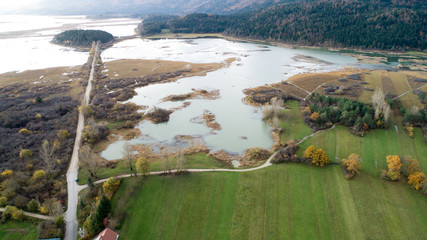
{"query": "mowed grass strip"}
{"type": "Point", "coordinates": [287, 201]}
{"type": "Point", "coordinates": [12, 230]}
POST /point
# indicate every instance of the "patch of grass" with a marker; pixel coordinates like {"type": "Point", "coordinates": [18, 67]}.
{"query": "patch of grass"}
{"type": "Point", "coordinates": [292, 123]}
{"type": "Point", "coordinates": [373, 147]}
{"type": "Point", "coordinates": [199, 160]}
{"type": "Point", "coordinates": [287, 201]}
{"type": "Point", "coordinates": [12, 230]}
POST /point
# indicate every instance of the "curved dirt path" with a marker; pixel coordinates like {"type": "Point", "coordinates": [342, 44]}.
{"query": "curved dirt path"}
{"type": "Point", "coordinates": [34, 215]}
{"type": "Point", "coordinates": [266, 164]}
{"type": "Point", "coordinates": [73, 188]}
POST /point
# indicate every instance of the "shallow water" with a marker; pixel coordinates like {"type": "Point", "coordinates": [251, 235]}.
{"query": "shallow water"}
{"type": "Point", "coordinates": [242, 125]}
{"type": "Point", "coordinates": [25, 40]}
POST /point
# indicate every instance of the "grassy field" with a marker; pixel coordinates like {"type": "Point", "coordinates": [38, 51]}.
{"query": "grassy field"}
{"type": "Point", "coordinates": [199, 160]}
{"type": "Point", "coordinates": [288, 201]}
{"type": "Point", "coordinates": [18, 231]}
{"type": "Point", "coordinates": [292, 123]}
{"type": "Point", "coordinates": [373, 147]}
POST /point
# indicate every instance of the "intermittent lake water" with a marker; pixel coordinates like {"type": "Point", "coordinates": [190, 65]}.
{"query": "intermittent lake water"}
{"type": "Point", "coordinates": [242, 125]}
{"type": "Point", "coordinates": [25, 45]}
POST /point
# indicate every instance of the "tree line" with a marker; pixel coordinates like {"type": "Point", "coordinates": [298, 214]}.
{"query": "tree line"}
{"type": "Point", "coordinates": [395, 25]}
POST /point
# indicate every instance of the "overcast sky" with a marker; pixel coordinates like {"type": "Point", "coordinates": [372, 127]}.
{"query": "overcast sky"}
{"type": "Point", "coordinates": [71, 6]}
{"type": "Point", "coordinates": [18, 5]}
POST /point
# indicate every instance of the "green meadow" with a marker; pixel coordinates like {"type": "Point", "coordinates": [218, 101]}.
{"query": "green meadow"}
{"type": "Point", "coordinates": [288, 201]}
{"type": "Point", "coordinates": [12, 230]}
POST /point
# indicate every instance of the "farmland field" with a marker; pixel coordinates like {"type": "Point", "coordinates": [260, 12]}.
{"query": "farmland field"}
{"type": "Point", "coordinates": [18, 231]}
{"type": "Point", "coordinates": [288, 201]}
{"type": "Point", "coordinates": [373, 147]}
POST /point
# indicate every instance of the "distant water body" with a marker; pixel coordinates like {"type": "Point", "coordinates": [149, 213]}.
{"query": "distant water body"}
{"type": "Point", "coordinates": [25, 39]}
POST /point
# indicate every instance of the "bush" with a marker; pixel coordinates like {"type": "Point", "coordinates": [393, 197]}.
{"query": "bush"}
{"type": "Point", "coordinates": [316, 156]}
{"type": "Point", "coordinates": [13, 213]}
{"type": "Point", "coordinates": [159, 115]}
{"type": "Point", "coordinates": [33, 206]}
{"type": "Point", "coordinates": [351, 165]}
{"type": "Point", "coordinates": [417, 180]}
{"type": "Point", "coordinates": [59, 221]}
{"type": "Point", "coordinates": [3, 201]}
{"type": "Point", "coordinates": [48, 229]}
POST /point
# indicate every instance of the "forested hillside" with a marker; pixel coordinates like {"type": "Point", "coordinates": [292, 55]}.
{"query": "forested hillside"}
{"type": "Point", "coordinates": [82, 37]}
{"type": "Point", "coordinates": [400, 24]}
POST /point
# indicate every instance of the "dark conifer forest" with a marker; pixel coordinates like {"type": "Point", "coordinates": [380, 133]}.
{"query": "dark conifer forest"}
{"type": "Point", "coordinates": [396, 25]}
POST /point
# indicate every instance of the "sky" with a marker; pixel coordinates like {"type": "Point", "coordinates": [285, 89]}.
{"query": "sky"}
{"type": "Point", "coordinates": [18, 5]}
{"type": "Point", "coordinates": [58, 6]}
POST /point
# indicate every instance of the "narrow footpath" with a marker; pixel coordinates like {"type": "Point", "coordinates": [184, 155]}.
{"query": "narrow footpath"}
{"type": "Point", "coordinates": [73, 188]}
{"type": "Point", "coordinates": [34, 215]}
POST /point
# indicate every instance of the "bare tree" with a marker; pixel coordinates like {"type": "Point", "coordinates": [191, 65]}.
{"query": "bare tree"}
{"type": "Point", "coordinates": [127, 153]}
{"type": "Point", "coordinates": [46, 153]}
{"type": "Point", "coordinates": [274, 109]}
{"type": "Point", "coordinates": [166, 160]}
{"type": "Point", "coordinates": [89, 160]}
{"type": "Point", "coordinates": [180, 161]}
{"type": "Point", "coordinates": [380, 104]}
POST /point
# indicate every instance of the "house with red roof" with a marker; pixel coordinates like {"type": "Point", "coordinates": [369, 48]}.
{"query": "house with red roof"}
{"type": "Point", "coordinates": [107, 234]}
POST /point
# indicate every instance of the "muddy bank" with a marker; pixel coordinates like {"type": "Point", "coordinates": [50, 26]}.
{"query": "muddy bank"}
{"type": "Point", "coordinates": [195, 94]}
{"type": "Point", "coordinates": [348, 82]}
{"type": "Point", "coordinates": [210, 121]}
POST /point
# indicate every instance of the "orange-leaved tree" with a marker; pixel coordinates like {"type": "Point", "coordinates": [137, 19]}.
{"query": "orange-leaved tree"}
{"type": "Point", "coordinates": [351, 165]}
{"type": "Point", "coordinates": [317, 156]}
{"type": "Point", "coordinates": [417, 180]}
{"type": "Point", "coordinates": [314, 116]}
{"type": "Point", "coordinates": [321, 159]}
{"type": "Point", "coordinates": [394, 165]}
{"type": "Point", "coordinates": [310, 152]}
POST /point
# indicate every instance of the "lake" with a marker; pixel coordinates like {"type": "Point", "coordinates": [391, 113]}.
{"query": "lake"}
{"type": "Point", "coordinates": [242, 125]}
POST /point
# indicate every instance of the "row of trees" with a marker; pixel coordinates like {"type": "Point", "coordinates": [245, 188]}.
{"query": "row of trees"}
{"type": "Point", "coordinates": [373, 24]}
{"type": "Point", "coordinates": [405, 167]}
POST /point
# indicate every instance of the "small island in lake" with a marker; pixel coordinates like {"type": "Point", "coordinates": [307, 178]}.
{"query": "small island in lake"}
{"type": "Point", "coordinates": [82, 38]}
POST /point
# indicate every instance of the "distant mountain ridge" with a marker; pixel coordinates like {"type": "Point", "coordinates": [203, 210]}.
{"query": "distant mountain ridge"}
{"type": "Point", "coordinates": [398, 24]}
{"type": "Point", "coordinates": [181, 7]}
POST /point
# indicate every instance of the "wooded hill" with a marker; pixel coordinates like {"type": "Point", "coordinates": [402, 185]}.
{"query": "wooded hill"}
{"type": "Point", "coordinates": [400, 24]}
{"type": "Point", "coordinates": [82, 37]}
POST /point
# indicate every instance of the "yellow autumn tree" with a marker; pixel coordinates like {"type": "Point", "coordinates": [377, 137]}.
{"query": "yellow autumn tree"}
{"type": "Point", "coordinates": [320, 159]}
{"type": "Point", "coordinates": [417, 180]}
{"type": "Point", "coordinates": [394, 164]}
{"type": "Point", "coordinates": [310, 152]}
{"type": "Point", "coordinates": [314, 116]}
{"type": "Point", "coordinates": [7, 173]}
{"type": "Point", "coordinates": [352, 165]}
{"type": "Point", "coordinates": [317, 156]}
{"type": "Point", "coordinates": [110, 186]}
